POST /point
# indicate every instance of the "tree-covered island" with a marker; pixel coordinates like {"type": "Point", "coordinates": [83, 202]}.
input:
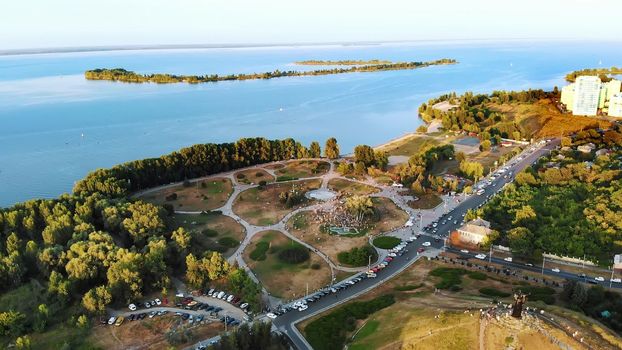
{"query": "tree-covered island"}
{"type": "Point", "coordinates": [341, 62]}
{"type": "Point", "coordinates": [120, 74]}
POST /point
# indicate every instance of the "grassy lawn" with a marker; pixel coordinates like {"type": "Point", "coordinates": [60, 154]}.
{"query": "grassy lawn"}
{"type": "Point", "coordinates": [386, 242]}
{"type": "Point", "coordinates": [199, 196]}
{"type": "Point", "coordinates": [280, 278]}
{"type": "Point", "coordinates": [409, 145]}
{"type": "Point", "coordinates": [488, 158]}
{"type": "Point", "coordinates": [301, 169]}
{"type": "Point", "coordinates": [253, 176]}
{"type": "Point", "coordinates": [262, 206]}
{"type": "Point", "coordinates": [211, 231]}
{"type": "Point", "coordinates": [349, 188]}
{"type": "Point", "coordinates": [426, 201]}
{"type": "Point", "coordinates": [390, 216]}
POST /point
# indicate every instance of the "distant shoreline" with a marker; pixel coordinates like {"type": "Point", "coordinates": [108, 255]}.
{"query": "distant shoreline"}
{"type": "Point", "coordinates": [148, 47]}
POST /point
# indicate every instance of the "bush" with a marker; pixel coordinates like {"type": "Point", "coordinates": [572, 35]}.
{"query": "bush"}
{"type": "Point", "coordinates": [329, 332]}
{"type": "Point", "coordinates": [545, 294]}
{"type": "Point", "coordinates": [294, 255]}
{"type": "Point", "coordinates": [228, 242]}
{"type": "Point", "coordinates": [203, 184]}
{"type": "Point", "coordinates": [259, 174]}
{"type": "Point", "coordinates": [315, 266]}
{"type": "Point", "coordinates": [171, 197]}
{"type": "Point", "coordinates": [386, 242]}
{"type": "Point", "coordinates": [209, 232]}
{"type": "Point", "coordinates": [286, 178]}
{"type": "Point", "coordinates": [476, 275]}
{"type": "Point", "coordinates": [357, 256]}
{"type": "Point", "coordinates": [493, 292]}
{"type": "Point", "coordinates": [450, 278]}
{"type": "Point", "coordinates": [259, 253]}
{"type": "Point", "coordinates": [262, 184]}
{"type": "Point", "coordinates": [240, 176]}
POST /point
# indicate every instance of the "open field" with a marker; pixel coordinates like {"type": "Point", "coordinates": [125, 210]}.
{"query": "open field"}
{"type": "Point", "coordinates": [543, 119]}
{"type": "Point", "coordinates": [304, 226]}
{"type": "Point", "coordinates": [349, 188]}
{"type": "Point", "coordinates": [280, 278]}
{"type": "Point", "coordinates": [253, 176]}
{"type": "Point", "coordinates": [149, 334]}
{"type": "Point", "coordinates": [488, 158]}
{"type": "Point", "coordinates": [199, 196]}
{"type": "Point", "coordinates": [262, 206]}
{"type": "Point", "coordinates": [390, 216]}
{"type": "Point", "coordinates": [426, 201]}
{"type": "Point", "coordinates": [424, 319]}
{"type": "Point", "coordinates": [300, 169]}
{"type": "Point", "coordinates": [211, 231]}
{"type": "Point", "coordinates": [409, 145]}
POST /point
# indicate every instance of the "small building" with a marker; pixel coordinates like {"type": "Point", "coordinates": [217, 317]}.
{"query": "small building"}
{"type": "Point", "coordinates": [617, 262]}
{"type": "Point", "coordinates": [587, 148]}
{"type": "Point", "coordinates": [474, 231]}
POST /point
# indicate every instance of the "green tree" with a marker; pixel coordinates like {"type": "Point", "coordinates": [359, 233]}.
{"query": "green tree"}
{"type": "Point", "coordinates": [22, 343]}
{"type": "Point", "coordinates": [12, 323]}
{"type": "Point", "coordinates": [485, 145]}
{"type": "Point", "coordinates": [96, 299]}
{"type": "Point", "coordinates": [525, 178]}
{"type": "Point", "coordinates": [364, 154]}
{"type": "Point", "coordinates": [182, 238]}
{"type": "Point", "coordinates": [360, 207]}
{"type": "Point", "coordinates": [314, 150]}
{"type": "Point", "coordinates": [83, 322]}
{"type": "Point", "coordinates": [41, 318]}
{"type": "Point", "coordinates": [331, 150]}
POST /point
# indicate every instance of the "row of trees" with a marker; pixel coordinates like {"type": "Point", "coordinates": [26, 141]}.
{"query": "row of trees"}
{"type": "Point", "coordinates": [195, 161]}
{"type": "Point", "coordinates": [120, 74]}
{"type": "Point", "coordinates": [603, 73]}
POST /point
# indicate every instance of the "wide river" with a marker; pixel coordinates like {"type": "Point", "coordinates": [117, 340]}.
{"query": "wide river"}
{"type": "Point", "coordinates": [55, 126]}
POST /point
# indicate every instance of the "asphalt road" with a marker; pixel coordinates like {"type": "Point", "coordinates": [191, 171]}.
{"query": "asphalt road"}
{"type": "Point", "coordinates": [286, 322]}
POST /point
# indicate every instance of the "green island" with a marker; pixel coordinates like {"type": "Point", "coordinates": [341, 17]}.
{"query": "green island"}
{"type": "Point", "coordinates": [341, 62]}
{"type": "Point", "coordinates": [120, 74]}
{"type": "Point", "coordinates": [603, 73]}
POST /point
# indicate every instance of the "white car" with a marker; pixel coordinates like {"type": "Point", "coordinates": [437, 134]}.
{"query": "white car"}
{"type": "Point", "coordinates": [220, 295]}
{"type": "Point", "coordinates": [464, 251]}
{"type": "Point", "coordinates": [616, 280]}
{"type": "Point", "coordinates": [211, 291]}
{"type": "Point", "coordinates": [230, 298]}
{"type": "Point", "coordinates": [412, 238]}
{"type": "Point", "coordinates": [112, 320]}
{"type": "Point", "coordinates": [303, 308]}
{"type": "Point", "coordinates": [271, 315]}
{"type": "Point", "coordinates": [244, 306]}
{"type": "Point", "coordinates": [508, 259]}
{"type": "Point", "coordinates": [393, 255]}
{"type": "Point", "coordinates": [426, 244]}
{"type": "Point", "coordinates": [556, 270]}
{"type": "Point", "coordinates": [600, 279]}
{"type": "Point", "coordinates": [371, 275]}
{"type": "Point", "coordinates": [158, 301]}
{"type": "Point", "coordinates": [481, 256]}
{"type": "Point", "coordinates": [132, 307]}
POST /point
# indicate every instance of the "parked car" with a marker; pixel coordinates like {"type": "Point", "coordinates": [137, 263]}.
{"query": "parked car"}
{"type": "Point", "coordinates": [426, 244]}
{"type": "Point", "coordinates": [464, 251]}
{"type": "Point", "coordinates": [158, 301]}
{"type": "Point", "coordinates": [508, 259]}
{"type": "Point", "coordinates": [481, 256]}
{"type": "Point", "coordinates": [599, 279]}
{"type": "Point", "coordinates": [555, 270]}
{"type": "Point", "coordinates": [244, 306]}
{"type": "Point", "coordinates": [112, 320]}
{"type": "Point", "coordinates": [152, 314]}
{"type": "Point", "coordinates": [119, 321]}
{"type": "Point", "coordinates": [616, 280]}
{"type": "Point", "coordinates": [230, 298]}
{"type": "Point", "coordinates": [147, 304]}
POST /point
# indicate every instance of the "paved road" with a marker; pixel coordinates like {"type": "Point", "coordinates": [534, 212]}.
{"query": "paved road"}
{"type": "Point", "coordinates": [286, 323]}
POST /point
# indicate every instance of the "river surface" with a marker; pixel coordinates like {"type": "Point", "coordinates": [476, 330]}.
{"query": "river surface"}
{"type": "Point", "coordinates": [55, 126]}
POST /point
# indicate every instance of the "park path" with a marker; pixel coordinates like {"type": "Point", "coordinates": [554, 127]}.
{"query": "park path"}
{"type": "Point", "coordinates": [396, 195]}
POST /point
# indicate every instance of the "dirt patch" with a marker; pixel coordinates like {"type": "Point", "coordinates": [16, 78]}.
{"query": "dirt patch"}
{"type": "Point", "coordinates": [281, 279]}
{"type": "Point", "coordinates": [202, 195]}
{"type": "Point", "coordinates": [409, 145]}
{"type": "Point", "coordinates": [426, 201]}
{"type": "Point", "coordinates": [210, 229]}
{"type": "Point", "coordinates": [253, 176]}
{"type": "Point", "coordinates": [149, 334]}
{"type": "Point", "coordinates": [262, 206]}
{"type": "Point", "coordinates": [302, 169]}
{"type": "Point", "coordinates": [348, 188]}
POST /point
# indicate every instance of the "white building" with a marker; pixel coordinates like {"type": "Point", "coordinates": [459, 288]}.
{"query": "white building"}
{"type": "Point", "coordinates": [615, 105]}
{"type": "Point", "coordinates": [474, 231]}
{"type": "Point", "coordinates": [587, 92]}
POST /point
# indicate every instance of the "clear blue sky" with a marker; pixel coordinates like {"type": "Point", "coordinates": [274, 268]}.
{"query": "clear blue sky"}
{"type": "Point", "coordinates": [61, 23]}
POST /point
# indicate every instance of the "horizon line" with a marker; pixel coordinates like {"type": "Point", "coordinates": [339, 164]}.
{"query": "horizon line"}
{"type": "Point", "coordinates": [133, 47]}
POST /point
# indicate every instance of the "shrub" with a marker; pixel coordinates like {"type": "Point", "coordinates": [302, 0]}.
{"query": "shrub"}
{"type": "Point", "coordinates": [259, 253]}
{"type": "Point", "coordinates": [294, 255]}
{"type": "Point", "coordinates": [228, 242]}
{"type": "Point", "coordinates": [315, 266]}
{"type": "Point", "coordinates": [493, 292]}
{"type": "Point", "coordinates": [209, 232]}
{"type": "Point", "coordinates": [450, 278]}
{"type": "Point", "coordinates": [329, 332]}
{"type": "Point", "coordinates": [259, 174]}
{"type": "Point", "coordinates": [262, 183]}
{"type": "Point", "coordinates": [545, 294]}
{"type": "Point", "coordinates": [286, 178]}
{"type": "Point", "coordinates": [476, 275]}
{"type": "Point", "coordinates": [203, 184]}
{"type": "Point", "coordinates": [171, 197]}
{"type": "Point", "coordinates": [386, 242]}
{"type": "Point", "coordinates": [240, 176]}
{"type": "Point", "coordinates": [357, 256]}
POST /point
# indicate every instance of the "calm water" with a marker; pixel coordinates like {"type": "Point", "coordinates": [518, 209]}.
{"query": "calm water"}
{"type": "Point", "coordinates": [55, 126]}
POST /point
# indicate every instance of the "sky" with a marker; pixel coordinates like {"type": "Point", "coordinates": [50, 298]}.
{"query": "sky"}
{"type": "Point", "coordinates": [87, 23]}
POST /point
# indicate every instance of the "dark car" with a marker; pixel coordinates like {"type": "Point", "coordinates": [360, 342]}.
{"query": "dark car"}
{"type": "Point", "coordinates": [132, 317]}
